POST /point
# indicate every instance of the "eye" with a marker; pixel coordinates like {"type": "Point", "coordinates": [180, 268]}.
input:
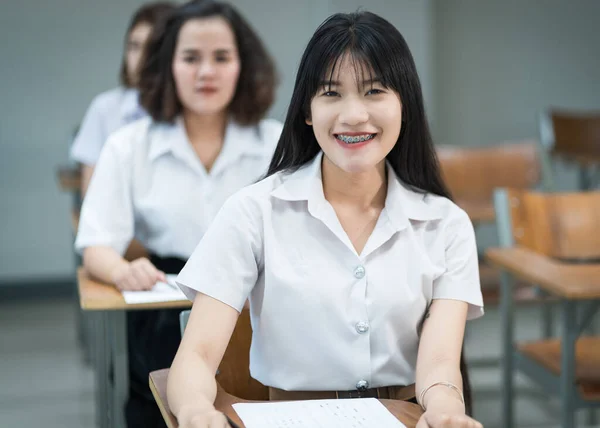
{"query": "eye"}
{"type": "Point", "coordinates": [375, 92]}
{"type": "Point", "coordinates": [222, 58]}
{"type": "Point", "coordinates": [190, 59]}
{"type": "Point", "coordinates": [330, 94]}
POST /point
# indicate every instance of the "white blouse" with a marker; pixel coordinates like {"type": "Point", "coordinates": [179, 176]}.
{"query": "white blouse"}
{"type": "Point", "coordinates": [150, 184]}
{"type": "Point", "coordinates": [324, 317]}
{"type": "Point", "coordinates": [108, 112]}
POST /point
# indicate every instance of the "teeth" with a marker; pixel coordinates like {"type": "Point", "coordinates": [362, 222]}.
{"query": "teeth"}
{"type": "Point", "coordinates": [355, 139]}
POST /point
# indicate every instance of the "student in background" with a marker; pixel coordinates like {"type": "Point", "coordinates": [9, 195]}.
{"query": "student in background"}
{"type": "Point", "coordinates": [360, 271]}
{"type": "Point", "coordinates": [207, 84]}
{"type": "Point", "coordinates": [119, 106]}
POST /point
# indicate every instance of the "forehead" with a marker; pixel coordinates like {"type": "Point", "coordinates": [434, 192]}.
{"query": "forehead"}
{"type": "Point", "coordinates": [348, 69]}
{"type": "Point", "coordinates": [140, 31]}
{"type": "Point", "coordinates": [206, 33]}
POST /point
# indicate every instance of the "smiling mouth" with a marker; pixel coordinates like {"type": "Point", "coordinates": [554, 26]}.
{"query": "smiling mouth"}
{"type": "Point", "coordinates": [354, 139]}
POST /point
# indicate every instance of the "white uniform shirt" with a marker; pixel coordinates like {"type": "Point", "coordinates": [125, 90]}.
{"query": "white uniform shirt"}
{"type": "Point", "coordinates": [108, 112]}
{"type": "Point", "coordinates": [324, 317]}
{"type": "Point", "coordinates": [150, 184]}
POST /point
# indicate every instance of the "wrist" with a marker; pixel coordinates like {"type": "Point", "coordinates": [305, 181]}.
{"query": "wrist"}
{"type": "Point", "coordinates": [117, 268]}
{"type": "Point", "coordinates": [187, 413]}
{"type": "Point", "coordinates": [440, 398]}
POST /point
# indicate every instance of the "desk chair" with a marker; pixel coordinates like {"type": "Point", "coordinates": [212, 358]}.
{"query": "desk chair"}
{"type": "Point", "coordinates": [551, 239]}
{"type": "Point", "coordinates": [234, 371]}
{"type": "Point", "coordinates": [473, 173]}
{"type": "Point", "coordinates": [573, 137]}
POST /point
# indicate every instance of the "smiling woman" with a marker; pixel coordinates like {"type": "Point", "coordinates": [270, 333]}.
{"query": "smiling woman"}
{"type": "Point", "coordinates": [360, 270]}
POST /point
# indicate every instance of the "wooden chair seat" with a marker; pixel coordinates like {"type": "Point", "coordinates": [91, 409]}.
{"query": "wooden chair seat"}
{"type": "Point", "coordinates": [587, 367]}
{"type": "Point", "coordinates": [566, 280]}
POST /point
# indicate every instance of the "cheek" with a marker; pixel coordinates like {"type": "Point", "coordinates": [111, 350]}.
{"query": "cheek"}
{"type": "Point", "coordinates": [183, 76]}
{"type": "Point", "coordinates": [230, 75]}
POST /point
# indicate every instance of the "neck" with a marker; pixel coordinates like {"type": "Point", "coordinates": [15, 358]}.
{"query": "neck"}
{"type": "Point", "coordinates": [363, 190]}
{"type": "Point", "coordinates": [201, 129]}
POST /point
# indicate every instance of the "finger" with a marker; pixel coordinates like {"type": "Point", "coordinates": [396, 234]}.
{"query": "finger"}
{"type": "Point", "coordinates": [161, 276]}
{"type": "Point", "coordinates": [144, 276]}
{"type": "Point", "coordinates": [218, 420]}
{"type": "Point", "coordinates": [422, 423]}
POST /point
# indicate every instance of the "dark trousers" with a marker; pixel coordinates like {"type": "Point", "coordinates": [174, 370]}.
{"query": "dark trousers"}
{"type": "Point", "coordinates": [153, 338]}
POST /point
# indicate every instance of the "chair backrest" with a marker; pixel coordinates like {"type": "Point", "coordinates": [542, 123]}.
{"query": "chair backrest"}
{"type": "Point", "coordinates": [559, 225]}
{"type": "Point", "coordinates": [472, 173]}
{"type": "Point", "coordinates": [572, 135]}
{"type": "Point", "coordinates": [234, 371]}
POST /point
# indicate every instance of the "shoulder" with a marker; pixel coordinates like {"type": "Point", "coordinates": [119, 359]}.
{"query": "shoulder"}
{"type": "Point", "coordinates": [128, 138]}
{"type": "Point", "coordinates": [269, 131]}
{"type": "Point", "coordinates": [108, 100]}
{"type": "Point", "coordinates": [452, 219]}
{"type": "Point", "coordinates": [254, 200]}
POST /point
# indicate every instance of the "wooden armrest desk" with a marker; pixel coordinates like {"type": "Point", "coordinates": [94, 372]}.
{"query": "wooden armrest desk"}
{"type": "Point", "coordinates": [405, 412]}
{"type": "Point", "coordinates": [108, 308]}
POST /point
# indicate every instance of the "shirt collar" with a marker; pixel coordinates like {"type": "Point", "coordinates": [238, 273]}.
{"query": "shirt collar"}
{"type": "Point", "coordinates": [239, 141]}
{"type": "Point", "coordinates": [401, 205]}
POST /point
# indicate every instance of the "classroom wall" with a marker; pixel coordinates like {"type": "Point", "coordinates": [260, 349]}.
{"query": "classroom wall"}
{"type": "Point", "coordinates": [57, 55]}
{"type": "Point", "coordinates": [498, 63]}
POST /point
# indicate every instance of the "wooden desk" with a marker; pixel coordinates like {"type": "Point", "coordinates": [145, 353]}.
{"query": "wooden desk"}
{"type": "Point", "coordinates": [97, 296]}
{"type": "Point", "coordinates": [565, 280]}
{"type": "Point", "coordinates": [407, 413]}
{"type": "Point", "coordinates": [569, 366]}
{"type": "Point", "coordinates": [109, 344]}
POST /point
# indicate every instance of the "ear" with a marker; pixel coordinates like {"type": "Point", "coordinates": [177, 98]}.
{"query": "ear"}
{"type": "Point", "coordinates": [308, 121]}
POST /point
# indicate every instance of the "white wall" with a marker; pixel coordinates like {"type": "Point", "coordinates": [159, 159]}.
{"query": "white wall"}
{"type": "Point", "coordinates": [58, 54]}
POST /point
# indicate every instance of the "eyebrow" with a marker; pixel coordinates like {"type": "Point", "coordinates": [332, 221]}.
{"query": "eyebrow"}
{"type": "Point", "coordinates": [217, 51]}
{"type": "Point", "coordinates": [338, 83]}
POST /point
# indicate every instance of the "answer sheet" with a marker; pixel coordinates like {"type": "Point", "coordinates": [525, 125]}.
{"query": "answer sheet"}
{"type": "Point", "coordinates": [162, 292]}
{"type": "Point", "coordinates": [350, 413]}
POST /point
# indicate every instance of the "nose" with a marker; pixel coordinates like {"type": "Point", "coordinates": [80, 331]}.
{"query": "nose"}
{"type": "Point", "coordinates": [206, 69]}
{"type": "Point", "coordinates": [353, 112]}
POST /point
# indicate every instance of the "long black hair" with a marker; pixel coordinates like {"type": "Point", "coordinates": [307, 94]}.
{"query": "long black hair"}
{"type": "Point", "coordinates": [372, 41]}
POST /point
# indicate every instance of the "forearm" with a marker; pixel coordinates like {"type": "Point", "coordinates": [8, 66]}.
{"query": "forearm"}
{"type": "Point", "coordinates": [191, 387]}
{"type": "Point", "coordinates": [102, 262]}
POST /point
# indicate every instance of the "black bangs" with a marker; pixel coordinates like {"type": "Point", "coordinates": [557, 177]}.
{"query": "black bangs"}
{"type": "Point", "coordinates": [360, 45]}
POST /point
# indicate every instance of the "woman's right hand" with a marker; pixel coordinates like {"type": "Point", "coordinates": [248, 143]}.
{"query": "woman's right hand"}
{"type": "Point", "coordinates": [205, 419]}
{"type": "Point", "coordinates": [138, 275]}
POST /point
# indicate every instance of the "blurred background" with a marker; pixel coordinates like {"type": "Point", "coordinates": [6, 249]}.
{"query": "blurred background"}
{"type": "Point", "coordinates": [487, 68]}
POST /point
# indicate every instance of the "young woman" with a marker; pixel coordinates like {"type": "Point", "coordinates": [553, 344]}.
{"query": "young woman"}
{"type": "Point", "coordinates": [207, 83]}
{"type": "Point", "coordinates": [360, 271]}
{"type": "Point", "coordinates": [117, 107]}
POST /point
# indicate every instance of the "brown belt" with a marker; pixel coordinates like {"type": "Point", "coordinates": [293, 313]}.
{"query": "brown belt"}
{"type": "Point", "coordinates": [404, 393]}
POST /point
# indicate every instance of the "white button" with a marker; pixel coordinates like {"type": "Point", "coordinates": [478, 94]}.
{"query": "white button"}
{"type": "Point", "coordinates": [362, 327]}
{"type": "Point", "coordinates": [359, 272]}
{"type": "Point", "coordinates": [362, 385]}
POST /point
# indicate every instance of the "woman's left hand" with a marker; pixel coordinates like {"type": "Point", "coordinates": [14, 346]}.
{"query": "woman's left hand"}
{"type": "Point", "coordinates": [447, 420]}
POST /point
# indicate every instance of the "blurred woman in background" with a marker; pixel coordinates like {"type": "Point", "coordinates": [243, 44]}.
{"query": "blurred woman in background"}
{"type": "Point", "coordinates": [206, 83]}
{"type": "Point", "coordinates": [117, 107]}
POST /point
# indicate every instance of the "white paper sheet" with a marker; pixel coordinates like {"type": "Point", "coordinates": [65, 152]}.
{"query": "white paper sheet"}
{"type": "Point", "coordinates": [162, 292]}
{"type": "Point", "coordinates": [352, 413]}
